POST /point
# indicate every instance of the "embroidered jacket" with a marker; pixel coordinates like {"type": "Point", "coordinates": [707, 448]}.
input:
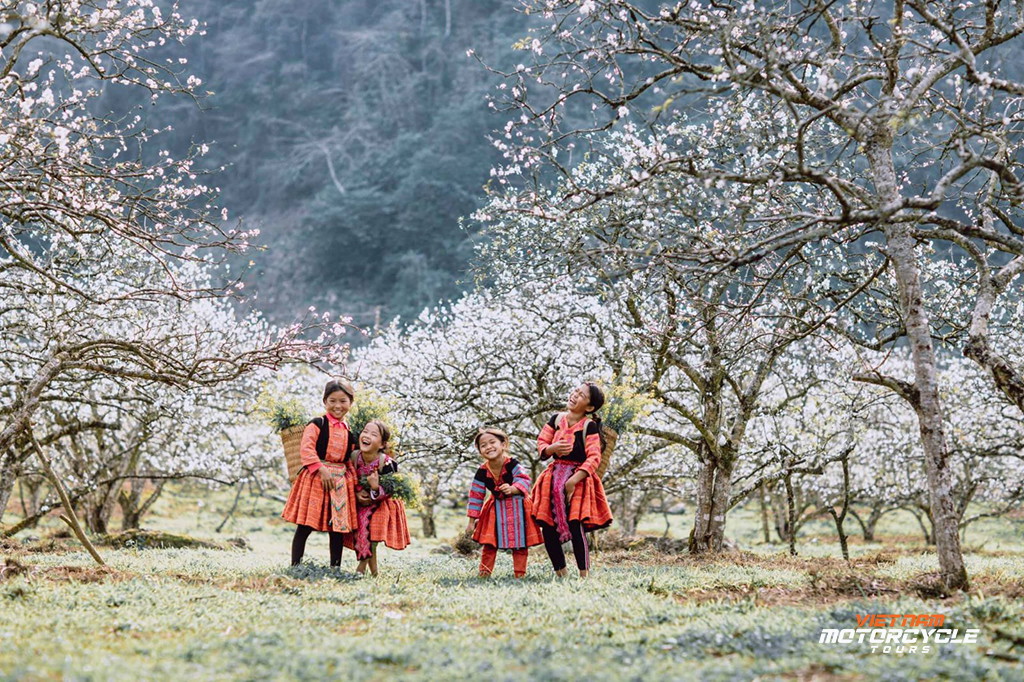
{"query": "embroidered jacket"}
{"type": "Point", "coordinates": [585, 436]}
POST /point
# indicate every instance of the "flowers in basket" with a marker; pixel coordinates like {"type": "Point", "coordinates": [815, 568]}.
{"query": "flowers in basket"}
{"type": "Point", "coordinates": [288, 416]}
{"type": "Point", "coordinates": [281, 412]}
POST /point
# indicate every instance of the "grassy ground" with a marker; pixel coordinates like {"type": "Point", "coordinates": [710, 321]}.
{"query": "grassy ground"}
{"type": "Point", "coordinates": [243, 614]}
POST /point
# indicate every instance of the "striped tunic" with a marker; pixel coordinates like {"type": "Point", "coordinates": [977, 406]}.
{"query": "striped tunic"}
{"type": "Point", "coordinates": [503, 521]}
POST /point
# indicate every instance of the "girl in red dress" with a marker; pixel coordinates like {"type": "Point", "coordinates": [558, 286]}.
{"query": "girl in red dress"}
{"type": "Point", "coordinates": [381, 518]}
{"type": "Point", "coordinates": [322, 497]}
{"type": "Point", "coordinates": [568, 498]}
{"type": "Point", "coordinates": [505, 520]}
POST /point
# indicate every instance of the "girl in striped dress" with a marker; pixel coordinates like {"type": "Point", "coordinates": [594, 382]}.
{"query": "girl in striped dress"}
{"type": "Point", "coordinates": [568, 499]}
{"type": "Point", "coordinates": [505, 519]}
{"type": "Point", "coordinates": [322, 497]}
{"type": "Point", "coordinates": [381, 518]}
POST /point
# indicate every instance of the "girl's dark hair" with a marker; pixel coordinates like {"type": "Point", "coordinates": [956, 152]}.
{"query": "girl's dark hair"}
{"type": "Point", "coordinates": [498, 433]}
{"type": "Point", "coordinates": [596, 398]}
{"type": "Point", "coordinates": [335, 385]}
{"type": "Point", "coordinates": [597, 402]}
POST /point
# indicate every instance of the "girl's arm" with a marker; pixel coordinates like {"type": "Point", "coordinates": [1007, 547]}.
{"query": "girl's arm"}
{"type": "Point", "coordinates": [307, 449]}
{"type": "Point", "coordinates": [592, 446]}
{"type": "Point", "coordinates": [389, 467]}
{"type": "Point", "coordinates": [547, 435]}
{"type": "Point", "coordinates": [477, 492]}
{"type": "Point", "coordinates": [521, 479]}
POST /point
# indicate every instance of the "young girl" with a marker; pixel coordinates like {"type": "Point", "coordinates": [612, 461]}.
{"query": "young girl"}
{"type": "Point", "coordinates": [505, 520]}
{"type": "Point", "coordinates": [568, 499]}
{"type": "Point", "coordinates": [380, 518]}
{"type": "Point", "coordinates": [323, 494]}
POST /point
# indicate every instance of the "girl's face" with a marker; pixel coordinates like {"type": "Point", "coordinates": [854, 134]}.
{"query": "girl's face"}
{"type": "Point", "coordinates": [490, 446]}
{"type": "Point", "coordinates": [579, 399]}
{"type": "Point", "coordinates": [370, 440]}
{"type": "Point", "coordinates": [338, 404]}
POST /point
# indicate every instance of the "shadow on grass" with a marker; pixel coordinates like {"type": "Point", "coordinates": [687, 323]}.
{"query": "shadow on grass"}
{"type": "Point", "coordinates": [313, 572]}
{"type": "Point", "coordinates": [471, 581]}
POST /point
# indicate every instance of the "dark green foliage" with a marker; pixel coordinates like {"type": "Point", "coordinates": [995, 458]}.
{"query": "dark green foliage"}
{"type": "Point", "coordinates": [379, 92]}
{"type": "Point", "coordinates": [398, 486]}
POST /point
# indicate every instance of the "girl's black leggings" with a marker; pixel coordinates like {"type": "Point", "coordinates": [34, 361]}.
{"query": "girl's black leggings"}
{"type": "Point", "coordinates": [299, 545]}
{"type": "Point", "coordinates": [580, 549]}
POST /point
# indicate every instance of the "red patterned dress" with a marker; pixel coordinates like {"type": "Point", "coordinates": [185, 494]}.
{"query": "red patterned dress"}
{"type": "Point", "coordinates": [308, 504]}
{"type": "Point", "coordinates": [383, 520]}
{"type": "Point", "coordinates": [588, 505]}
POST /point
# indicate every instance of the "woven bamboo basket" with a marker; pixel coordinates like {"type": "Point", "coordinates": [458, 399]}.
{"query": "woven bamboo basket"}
{"type": "Point", "coordinates": [611, 436]}
{"type": "Point", "coordinates": [291, 439]}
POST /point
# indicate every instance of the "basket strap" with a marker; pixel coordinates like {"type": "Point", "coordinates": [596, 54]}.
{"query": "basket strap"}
{"type": "Point", "coordinates": [323, 438]}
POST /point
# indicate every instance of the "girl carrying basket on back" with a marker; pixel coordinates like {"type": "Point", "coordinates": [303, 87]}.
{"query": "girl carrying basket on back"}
{"type": "Point", "coordinates": [322, 497]}
{"type": "Point", "coordinates": [568, 498]}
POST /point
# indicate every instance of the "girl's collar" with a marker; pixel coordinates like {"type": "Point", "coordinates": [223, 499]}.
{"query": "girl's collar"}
{"type": "Point", "coordinates": [381, 457]}
{"type": "Point", "coordinates": [573, 427]}
{"type": "Point", "coordinates": [335, 422]}
{"type": "Point", "coordinates": [504, 462]}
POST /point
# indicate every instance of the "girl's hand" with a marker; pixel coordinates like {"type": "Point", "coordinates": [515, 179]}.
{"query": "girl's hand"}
{"type": "Point", "coordinates": [325, 479]}
{"type": "Point", "coordinates": [373, 479]}
{"type": "Point", "coordinates": [363, 498]}
{"type": "Point", "coordinates": [570, 486]}
{"type": "Point", "coordinates": [561, 447]}
{"type": "Point", "coordinates": [508, 489]}
{"type": "Point", "coordinates": [471, 527]}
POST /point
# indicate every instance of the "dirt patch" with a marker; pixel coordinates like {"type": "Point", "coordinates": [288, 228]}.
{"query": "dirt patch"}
{"type": "Point", "coordinates": [825, 587]}
{"type": "Point", "coordinates": [53, 545]}
{"type": "Point", "coordinates": [985, 584]}
{"type": "Point", "coordinates": [817, 673]}
{"type": "Point", "coordinates": [11, 568]}
{"type": "Point", "coordinates": [69, 574]}
{"type": "Point", "coordinates": [81, 574]}
{"type": "Point", "coordinates": [277, 584]}
{"type": "Point", "coordinates": [832, 586]}
{"type": "Point", "coordinates": [9, 545]}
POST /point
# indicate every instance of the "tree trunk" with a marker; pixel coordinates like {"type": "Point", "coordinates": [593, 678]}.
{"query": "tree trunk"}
{"type": "Point", "coordinates": [840, 516]}
{"type": "Point", "coordinates": [714, 487]}
{"type": "Point", "coordinates": [28, 400]}
{"type": "Point", "coordinates": [868, 526]}
{"type": "Point", "coordinates": [624, 519]}
{"type": "Point", "coordinates": [791, 515]}
{"type": "Point", "coordinates": [133, 508]}
{"type": "Point", "coordinates": [764, 515]}
{"type": "Point", "coordinates": [8, 476]}
{"type": "Point", "coordinates": [844, 546]}
{"type": "Point", "coordinates": [780, 515]}
{"type": "Point", "coordinates": [924, 521]}
{"type": "Point", "coordinates": [33, 485]}
{"type": "Point", "coordinates": [901, 243]}
{"type": "Point", "coordinates": [428, 521]}
{"type": "Point", "coordinates": [97, 517]}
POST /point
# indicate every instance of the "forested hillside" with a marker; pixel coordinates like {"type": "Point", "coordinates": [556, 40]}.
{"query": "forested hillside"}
{"type": "Point", "coordinates": [354, 135]}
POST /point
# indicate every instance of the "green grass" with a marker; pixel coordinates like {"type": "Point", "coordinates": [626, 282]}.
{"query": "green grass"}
{"type": "Point", "coordinates": [235, 614]}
